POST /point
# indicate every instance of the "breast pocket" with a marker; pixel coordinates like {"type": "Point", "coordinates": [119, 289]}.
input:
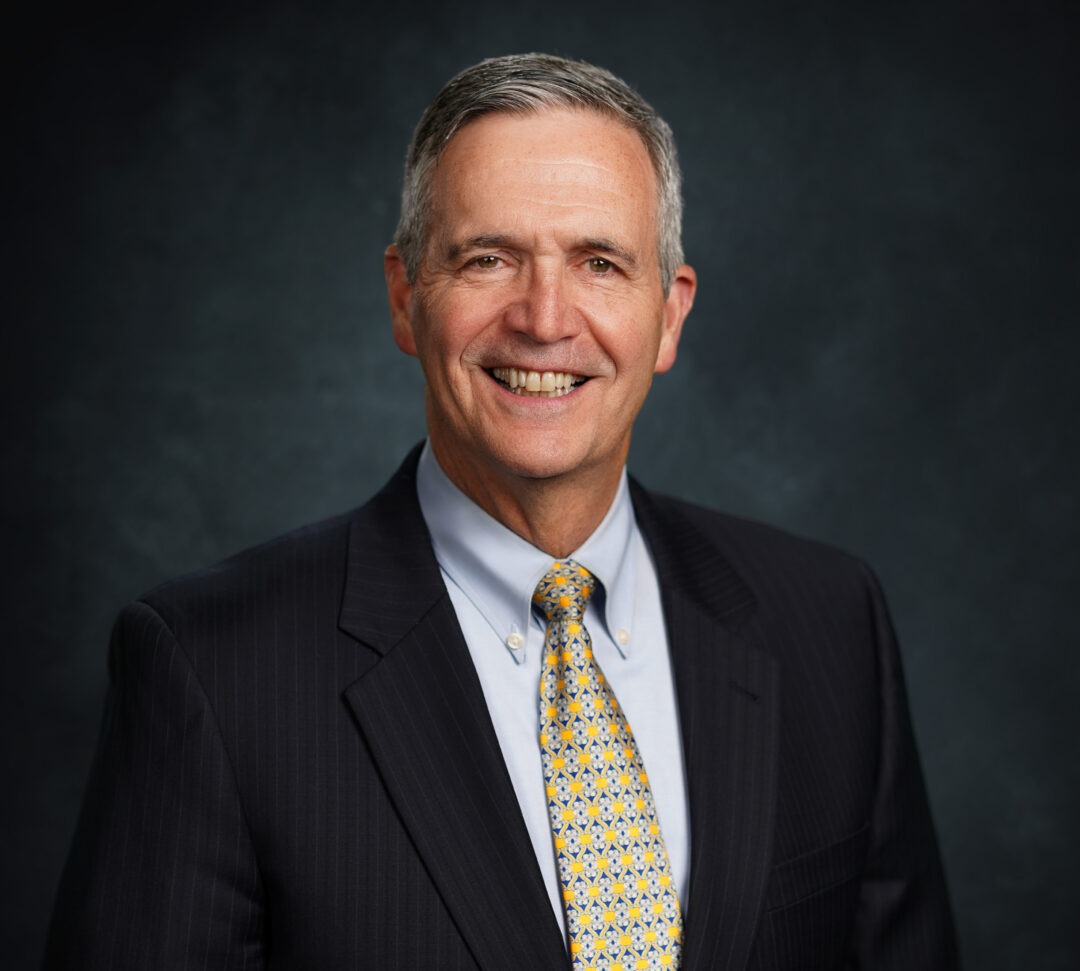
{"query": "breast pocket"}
{"type": "Point", "coordinates": [818, 871]}
{"type": "Point", "coordinates": [811, 904]}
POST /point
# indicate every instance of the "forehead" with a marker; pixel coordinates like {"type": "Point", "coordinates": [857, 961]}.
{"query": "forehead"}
{"type": "Point", "coordinates": [555, 163]}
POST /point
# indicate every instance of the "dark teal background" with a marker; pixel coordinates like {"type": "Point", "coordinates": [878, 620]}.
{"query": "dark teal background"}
{"type": "Point", "coordinates": [882, 207]}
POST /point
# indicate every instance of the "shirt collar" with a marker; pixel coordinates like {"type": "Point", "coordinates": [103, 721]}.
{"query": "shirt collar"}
{"type": "Point", "coordinates": [498, 570]}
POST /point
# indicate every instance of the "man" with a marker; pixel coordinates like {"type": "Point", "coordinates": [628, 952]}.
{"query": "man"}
{"type": "Point", "coordinates": [515, 712]}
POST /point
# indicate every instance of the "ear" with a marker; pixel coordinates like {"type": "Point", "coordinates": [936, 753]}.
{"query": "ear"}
{"type": "Point", "coordinates": [399, 291]}
{"type": "Point", "coordinates": [679, 300]}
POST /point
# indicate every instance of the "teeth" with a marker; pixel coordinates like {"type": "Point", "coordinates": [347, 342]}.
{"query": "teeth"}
{"type": "Point", "coordinates": [547, 384]}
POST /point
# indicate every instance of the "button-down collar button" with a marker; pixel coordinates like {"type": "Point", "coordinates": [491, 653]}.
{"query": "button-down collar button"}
{"type": "Point", "coordinates": [515, 641]}
{"type": "Point", "coordinates": [622, 635]}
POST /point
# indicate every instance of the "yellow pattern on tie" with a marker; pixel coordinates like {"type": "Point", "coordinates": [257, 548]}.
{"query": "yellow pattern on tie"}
{"type": "Point", "coordinates": [622, 911]}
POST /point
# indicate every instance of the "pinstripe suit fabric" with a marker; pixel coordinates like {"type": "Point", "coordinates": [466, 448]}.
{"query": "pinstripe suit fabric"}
{"type": "Point", "coordinates": [296, 768]}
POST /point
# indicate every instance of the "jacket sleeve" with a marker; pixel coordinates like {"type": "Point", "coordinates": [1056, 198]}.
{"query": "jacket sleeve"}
{"type": "Point", "coordinates": [162, 871]}
{"type": "Point", "coordinates": [904, 917]}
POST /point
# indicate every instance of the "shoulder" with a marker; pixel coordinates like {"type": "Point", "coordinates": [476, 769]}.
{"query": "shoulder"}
{"type": "Point", "coordinates": [276, 571]}
{"type": "Point", "coordinates": [752, 541]}
{"type": "Point", "coordinates": [741, 539]}
{"type": "Point", "coordinates": [302, 569]}
{"type": "Point", "coordinates": [770, 567]}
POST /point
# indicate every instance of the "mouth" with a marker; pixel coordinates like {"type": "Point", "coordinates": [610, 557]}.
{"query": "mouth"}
{"type": "Point", "coordinates": [537, 384]}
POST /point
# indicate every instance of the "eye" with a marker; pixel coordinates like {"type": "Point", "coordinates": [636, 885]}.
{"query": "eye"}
{"type": "Point", "coordinates": [599, 265]}
{"type": "Point", "coordinates": [485, 262]}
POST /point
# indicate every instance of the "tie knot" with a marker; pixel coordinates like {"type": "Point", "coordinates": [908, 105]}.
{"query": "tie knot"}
{"type": "Point", "coordinates": [564, 591]}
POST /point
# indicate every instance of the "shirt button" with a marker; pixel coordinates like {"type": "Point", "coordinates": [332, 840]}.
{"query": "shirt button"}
{"type": "Point", "coordinates": [622, 635]}
{"type": "Point", "coordinates": [515, 641]}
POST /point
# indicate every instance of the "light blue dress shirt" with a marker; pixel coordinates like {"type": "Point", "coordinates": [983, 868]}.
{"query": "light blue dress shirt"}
{"type": "Point", "coordinates": [490, 574]}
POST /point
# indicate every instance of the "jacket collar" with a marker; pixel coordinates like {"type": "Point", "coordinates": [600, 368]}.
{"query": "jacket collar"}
{"type": "Point", "coordinates": [689, 563]}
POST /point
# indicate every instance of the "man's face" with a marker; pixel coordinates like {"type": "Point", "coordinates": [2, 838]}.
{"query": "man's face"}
{"type": "Point", "coordinates": [538, 314]}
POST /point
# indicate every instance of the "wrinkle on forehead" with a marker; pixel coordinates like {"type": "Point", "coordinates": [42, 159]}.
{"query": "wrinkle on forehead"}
{"type": "Point", "coordinates": [541, 168]}
{"type": "Point", "coordinates": [572, 204]}
{"type": "Point", "coordinates": [554, 165]}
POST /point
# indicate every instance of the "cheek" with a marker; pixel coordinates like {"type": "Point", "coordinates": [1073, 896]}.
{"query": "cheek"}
{"type": "Point", "coordinates": [434, 329]}
{"type": "Point", "coordinates": [629, 334]}
{"type": "Point", "coordinates": [443, 345]}
{"type": "Point", "coordinates": [453, 321]}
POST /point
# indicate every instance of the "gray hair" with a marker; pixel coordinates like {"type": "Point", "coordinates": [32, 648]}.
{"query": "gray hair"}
{"type": "Point", "coordinates": [522, 84]}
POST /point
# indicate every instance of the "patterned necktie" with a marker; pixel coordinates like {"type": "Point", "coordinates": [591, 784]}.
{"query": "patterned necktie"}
{"type": "Point", "coordinates": [622, 912]}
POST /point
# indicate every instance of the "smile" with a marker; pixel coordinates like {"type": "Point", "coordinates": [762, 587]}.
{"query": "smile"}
{"type": "Point", "coordinates": [543, 384]}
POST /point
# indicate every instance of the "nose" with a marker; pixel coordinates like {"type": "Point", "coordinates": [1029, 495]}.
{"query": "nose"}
{"type": "Point", "coordinates": [544, 311]}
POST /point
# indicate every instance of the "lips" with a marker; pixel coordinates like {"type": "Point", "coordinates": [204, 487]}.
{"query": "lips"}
{"type": "Point", "coordinates": [540, 384]}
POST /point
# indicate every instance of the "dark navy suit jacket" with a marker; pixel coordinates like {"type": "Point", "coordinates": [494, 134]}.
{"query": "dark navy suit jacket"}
{"type": "Point", "coordinates": [297, 768]}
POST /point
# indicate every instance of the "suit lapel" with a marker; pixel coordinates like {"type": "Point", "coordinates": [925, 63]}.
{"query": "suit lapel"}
{"type": "Point", "coordinates": [421, 709]}
{"type": "Point", "coordinates": [729, 708]}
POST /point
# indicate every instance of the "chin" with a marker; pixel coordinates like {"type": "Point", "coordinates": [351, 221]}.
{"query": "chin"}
{"type": "Point", "coordinates": [540, 460]}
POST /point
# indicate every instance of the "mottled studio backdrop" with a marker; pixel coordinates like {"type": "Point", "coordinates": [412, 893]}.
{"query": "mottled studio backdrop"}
{"type": "Point", "coordinates": [882, 208]}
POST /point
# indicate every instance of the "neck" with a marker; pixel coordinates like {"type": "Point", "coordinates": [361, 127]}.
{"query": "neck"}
{"type": "Point", "coordinates": [555, 514]}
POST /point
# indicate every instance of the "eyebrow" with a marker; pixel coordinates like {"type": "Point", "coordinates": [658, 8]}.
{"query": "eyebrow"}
{"type": "Point", "coordinates": [496, 240]}
{"type": "Point", "coordinates": [484, 241]}
{"type": "Point", "coordinates": [610, 246]}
